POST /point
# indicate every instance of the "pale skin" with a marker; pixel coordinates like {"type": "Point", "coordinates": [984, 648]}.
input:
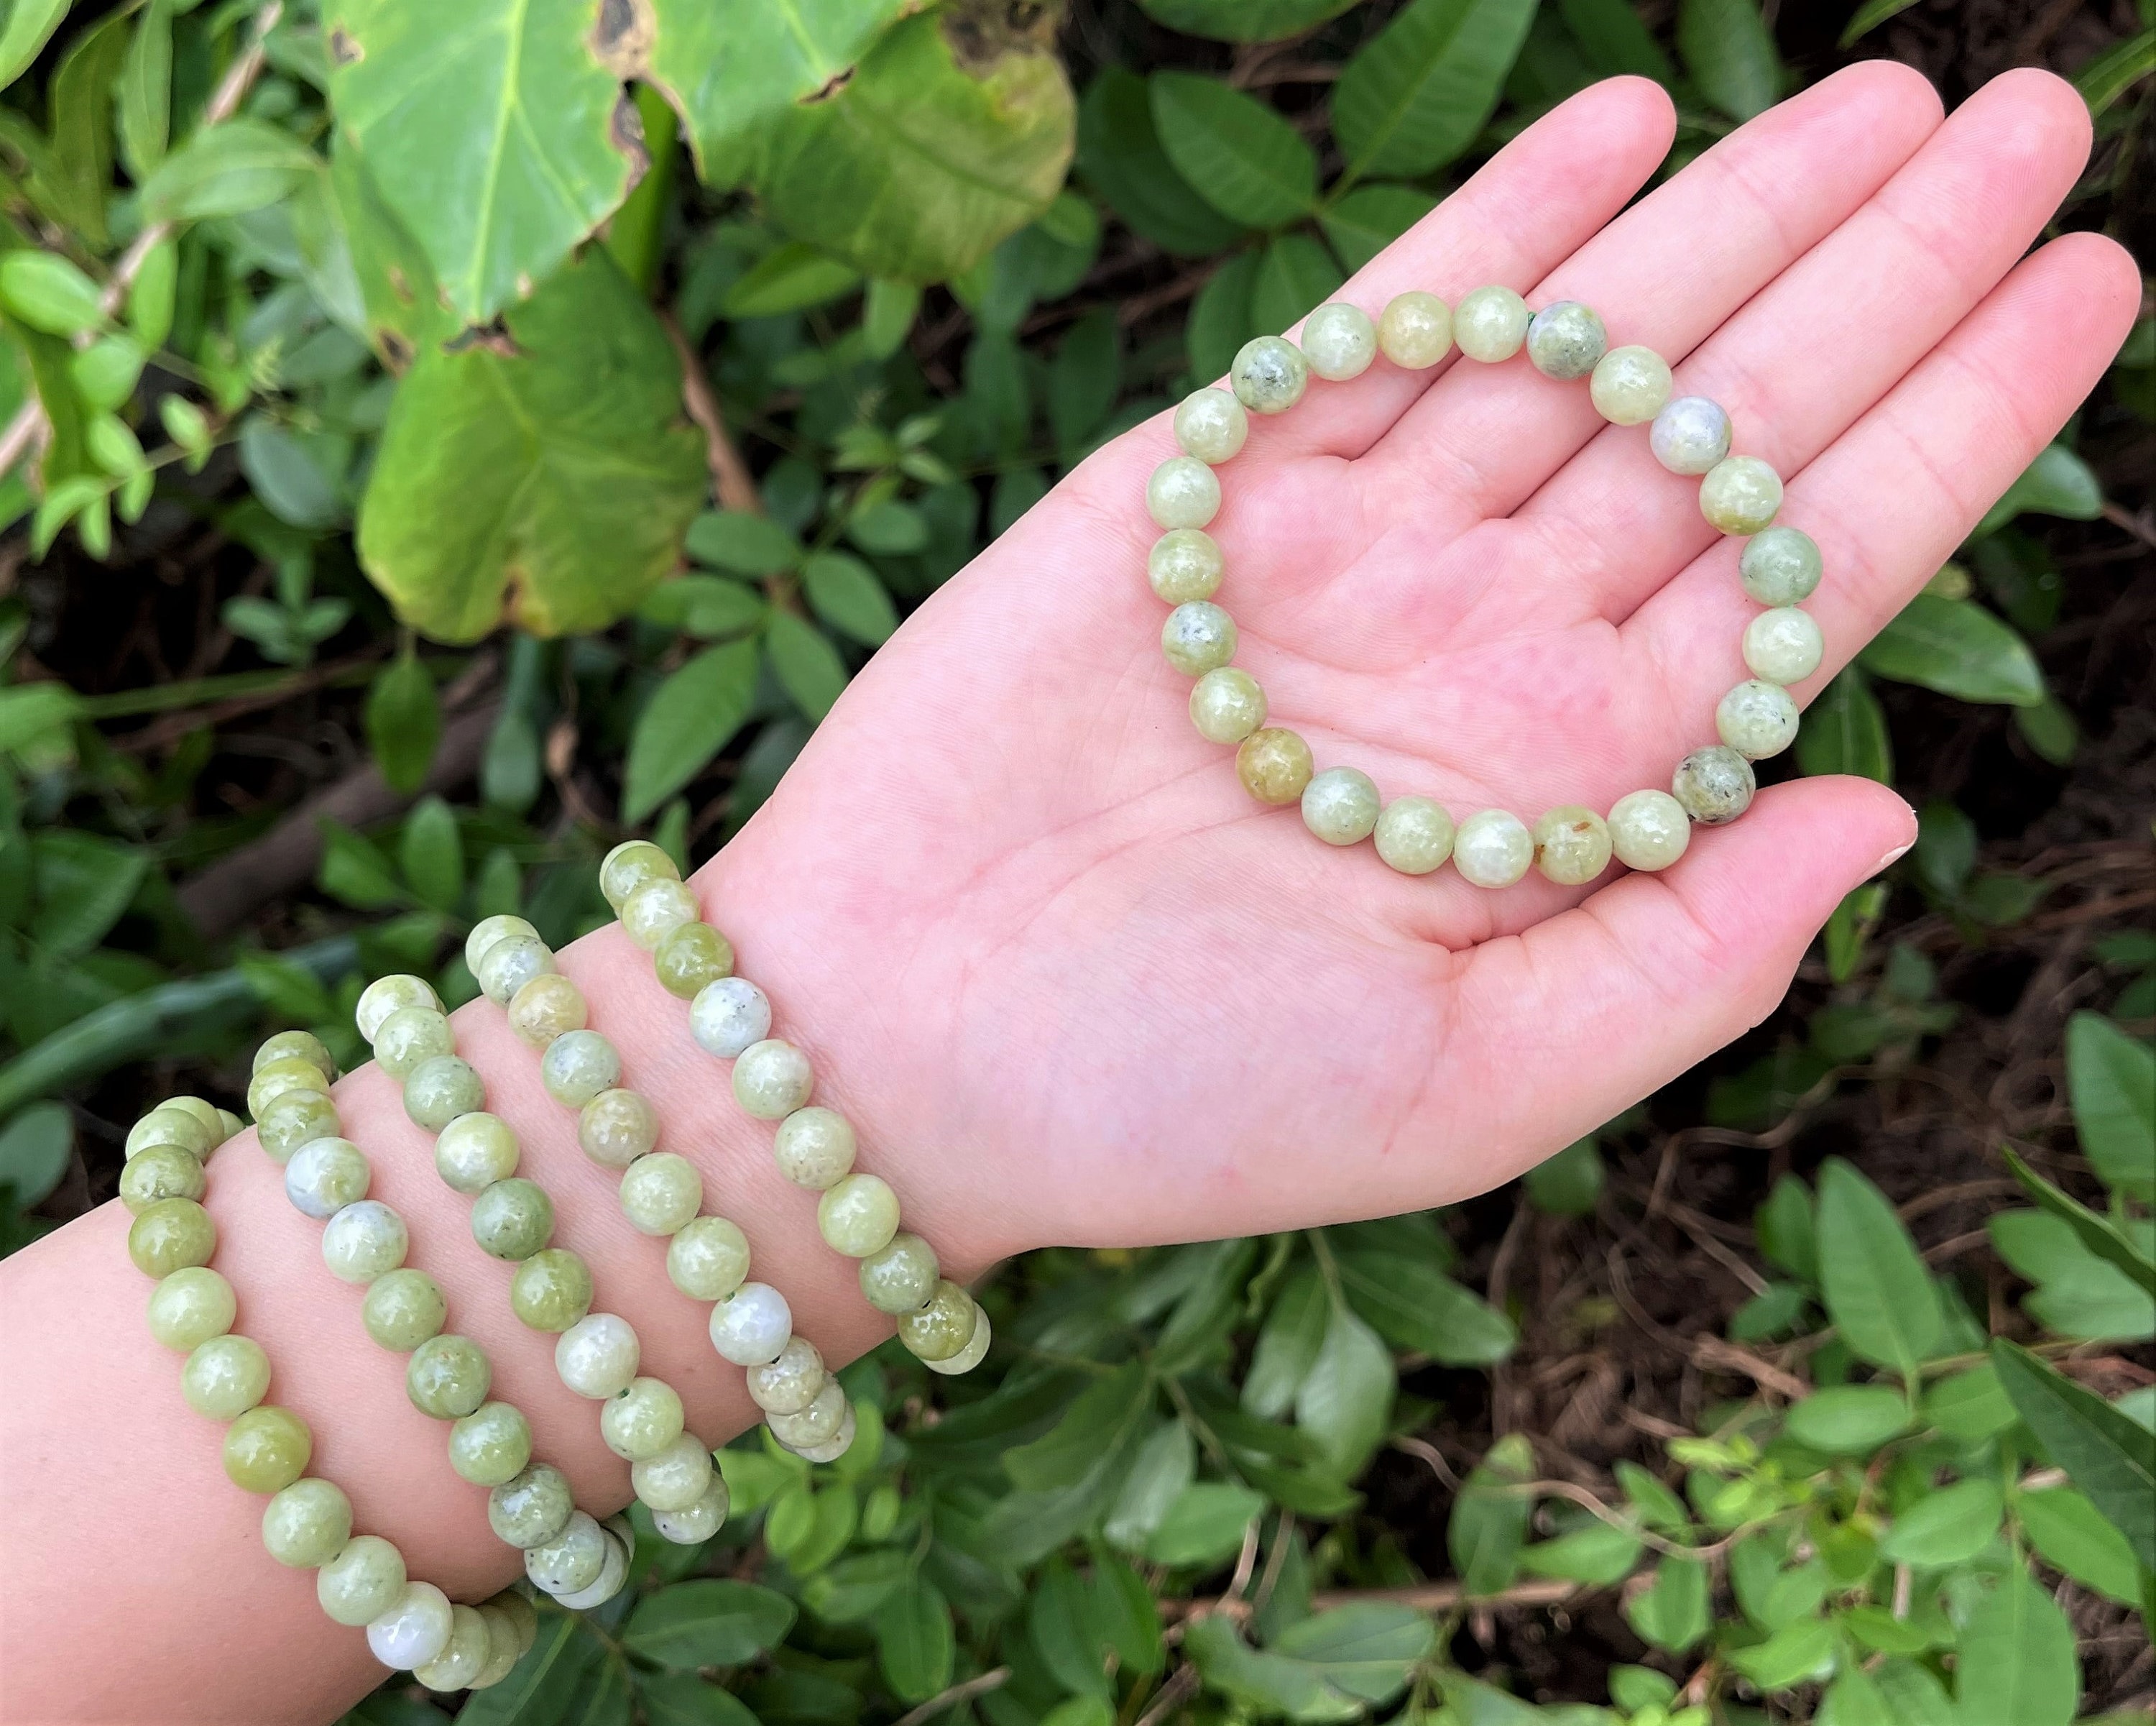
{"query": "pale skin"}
{"type": "Point", "coordinates": [1073, 985]}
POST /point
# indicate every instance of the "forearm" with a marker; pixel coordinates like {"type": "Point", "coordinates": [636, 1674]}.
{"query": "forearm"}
{"type": "Point", "coordinates": [141, 1589]}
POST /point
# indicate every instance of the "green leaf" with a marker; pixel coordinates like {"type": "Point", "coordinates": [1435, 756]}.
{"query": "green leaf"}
{"type": "Point", "coordinates": [749, 545]}
{"type": "Point", "coordinates": [1615, 41]}
{"type": "Point", "coordinates": [1414, 1305]}
{"type": "Point", "coordinates": [915, 1644]}
{"type": "Point", "coordinates": [227, 170]}
{"type": "Point", "coordinates": [2074, 1536]}
{"type": "Point", "coordinates": [1945, 1527]}
{"type": "Point", "coordinates": [1726, 48]}
{"type": "Point", "coordinates": [1094, 1423]}
{"type": "Point", "coordinates": [937, 149]}
{"type": "Point", "coordinates": [403, 723]}
{"type": "Point", "coordinates": [1794, 1655]}
{"type": "Point", "coordinates": [2015, 1664]}
{"type": "Point", "coordinates": [847, 596]}
{"type": "Point", "coordinates": [1671, 1612]}
{"type": "Point", "coordinates": [1915, 1696]}
{"type": "Point", "coordinates": [1958, 648]}
{"type": "Point", "coordinates": [889, 528]}
{"type": "Point", "coordinates": [1244, 20]}
{"type": "Point", "coordinates": [1162, 1468]}
{"type": "Point", "coordinates": [354, 872]}
{"type": "Point", "coordinates": [1059, 1624]}
{"type": "Point", "coordinates": [887, 314]}
{"type": "Point", "coordinates": [1788, 1235]}
{"type": "Point", "coordinates": [1272, 1683]}
{"type": "Point", "coordinates": [1243, 158]}
{"type": "Point", "coordinates": [432, 855]}
{"type": "Point", "coordinates": [789, 278]}
{"type": "Point", "coordinates": [28, 26]}
{"type": "Point", "coordinates": [146, 91]}
{"type": "Point", "coordinates": [1295, 274]}
{"type": "Point", "coordinates": [34, 1149]}
{"type": "Point", "coordinates": [1848, 1420]}
{"type": "Point", "coordinates": [2058, 482]}
{"type": "Point", "coordinates": [1345, 1400]}
{"type": "Point", "coordinates": [1287, 1343]}
{"type": "Point", "coordinates": [550, 484]}
{"type": "Point", "coordinates": [1868, 17]}
{"type": "Point", "coordinates": [84, 884]}
{"type": "Point", "coordinates": [1568, 1184]}
{"type": "Point", "coordinates": [1595, 1553]}
{"type": "Point", "coordinates": [288, 478]}
{"type": "Point", "coordinates": [2111, 1079]}
{"type": "Point", "coordinates": [1371, 218]}
{"type": "Point", "coordinates": [807, 667]}
{"type": "Point", "coordinates": [2115, 71]}
{"type": "Point", "coordinates": [1489, 1521]}
{"type": "Point", "coordinates": [1366, 1648]}
{"type": "Point", "coordinates": [1220, 320]}
{"type": "Point", "coordinates": [688, 720]}
{"type": "Point", "coordinates": [566, 1674]}
{"type": "Point", "coordinates": [492, 129]}
{"type": "Point", "coordinates": [1204, 1527]}
{"type": "Point", "coordinates": [2108, 1456]}
{"type": "Point", "coordinates": [1877, 1288]}
{"type": "Point", "coordinates": [1416, 95]}
{"type": "Point", "coordinates": [1969, 1406]}
{"type": "Point", "coordinates": [2100, 1234]}
{"type": "Point", "coordinates": [707, 1623]}
{"type": "Point", "coordinates": [1845, 731]}
{"type": "Point", "coordinates": [1120, 155]}
{"type": "Point", "coordinates": [684, 1699]}
{"type": "Point", "coordinates": [706, 605]}
{"type": "Point", "coordinates": [49, 293]}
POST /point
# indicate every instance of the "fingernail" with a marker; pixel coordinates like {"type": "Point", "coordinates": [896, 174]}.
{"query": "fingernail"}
{"type": "Point", "coordinates": [1891, 858]}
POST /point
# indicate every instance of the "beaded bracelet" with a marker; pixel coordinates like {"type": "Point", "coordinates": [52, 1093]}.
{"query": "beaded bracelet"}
{"type": "Point", "coordinates": [567, 1553]}
{"type": "Point", "coordinates": [939, 1322]}
{"type": "Point", "coordinates": [360, 1579]}
{"type": "Point", "coordinates": [707, 1256]}
{"type": "Point", "coordinates": [1630, 385]}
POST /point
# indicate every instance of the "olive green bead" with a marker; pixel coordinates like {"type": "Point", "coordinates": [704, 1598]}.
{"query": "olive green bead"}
{"type": "Point", "coordinates": [1490, 324]}
{"type": "Point", "coordinates": [440, 1089]}
{"type": "Point", "coordinates": [448, 1377]}
{"type": "Point", "coordinates": [1415, 331]}
{"type": "Point", "coordinates": [458, 1665]}
{"type": "Point", "coordinates": [789, 1384]}
{"type": "Point", "coordinates": [403, 1309]}
{"type": "Point", "coordinates": [512, 1219]}
{"type": "Point", "coordinates": [692, 955]}
{"type": "Point", "coordinates": [830, 1449]}
{"type": "Point", "coordinates": [266, 1449]}
{"type": "Point", "coordinates": [1339, 340]}
{"type": "Point", "coordinates": [1630, 385]}
{"type": "Point", "coordinates": [1268, 375]}
{"type": "Point", "coordinates": [306, 1524]}
{"type": "Point", "coordinates": [975, 1351]}
{"type": "Point", "coordinates": [857, 1216]}
{"type": "Point", "coordinates": [1740, 493]}
{"type": "Point", "coordinates": [1757, 719]}
{"type": "Point", "coordinates": [572, 1560]}
{"type": "Point", "coordinates": [487, 931]}
{"type": "Point", "coordinates": [629, 865]}
{"type": "Point", "coordinates": [361, 1582]}
{"type": "Point", "coordinates": [409, 1036]}
{"type": "Point", "coordinates": [190, 1306]}
{"type": "Point", "coordinates": [1183, 492]}
{"type": "Point", "coordinates": [1339, 805]}
{"type": "Point", "coordinates": [1198, 638]}
{"type": "Point", "coordinates": [1572, 845]}
{"type": "Point", "coordinates": [708, 1258]}
{"type": "Point", "coordinates": [1211, 425]}
{"type": "Point", "coordinates": [643, 1421]}
{"type": "Point", "coordinates": [364, 1240]}
{"type": "Point", "coordinates": [701, 1521]}
{"type": "Point", "coordinates": [1184, 565]}
{"type": "Point", "coordinates": [545, 1007]}
{"type": "Point", "coordinates": [503, 1648]}
{"type": "Point", "coordinates": [522, 1615]}
{"type": "Point", "coordinates": [902, 1277]}
{"type": "Point", "coordinates": [296, 1118]}
{"type": "Point", "coordinates": [225, 1376]}
{"type": "Point", "coordinates": [168, 1124]}
{"type": "Point", "coordinates": [1648, 829]}
{"type": "Point", "coordinates": [577, 1065]}
{"type": "Point", "coordinates": [511, 962]}
{"type": "Point", "coordinates": [616, 1127]}
{"type": "Point", "coordinates": [656, 909]}
{"type": "Point", "coordinates": [474, 1151]}
{"type": "Point", "coordinates": [660, 1192]}
{"type": "Point", "coordinates": [1715, 785]}
{"type": "Point", "coordinates": [820, 1420]}
{"type": "Point", "coordinates": [385, 995]}
{"type": "Point", "coordinates": [229, 1124]}
{"type": "Point", "coordinates": [772, 1079]}
{"type": "Point", "coordinates": [1492, 848]}
{"type": "Point", "coordinates": [814, 1147]}
{"type": "Point", "coordinates": [160, 1172]}
{"type": "Point", "coordinates": [217, 1122]}
{"type": "Point", "coordinates": [939, 1329]}
{"type": "Point", "coordinates": [530, 1508]}
{"type": "Point", "coordinates": [552, 1290]}
{"type": "Point", "coordinates": [1274, 765]}
{"type": "Point", "coordinates": [1414, 834]}
{"type": "Point", "coordinates": [290, 1044]}
{"type": "Point", "coordinates": [1565, 339]}
{"type": "Point", "coordinates": [170, 1236]}
{"type": "Point", "coordinates": [674, 1477]}
{"type": "Point", "coordinates": [491, 1446]}
{"type": "Point", "coordinates": [273, 1080]}
{"type": "Point", "coordinates": [1780, 566]}
{"type": "Point", "coordinates": [1782, 645]}
{"type": "Point", "coordinates": [1227, 704]}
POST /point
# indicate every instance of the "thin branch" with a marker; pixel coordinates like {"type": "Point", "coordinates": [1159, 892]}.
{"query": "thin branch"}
{"type": "Point", "coordinates": [992, 1679]}
{"type": "Point", "coordinates": [1424, 1597]}
{"type": "Point", "coordinates": [1179, 1688]}
{"type": "Point", "coordinates": [730, 479]}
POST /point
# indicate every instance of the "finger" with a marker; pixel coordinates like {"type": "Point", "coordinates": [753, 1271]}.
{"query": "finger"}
{"type": "Point", "coordinates": [1801, 362]}
{"type": "Point", "coordinates": [1665, 274]}
{"type": "Point", "coordinates": [1894, 496]}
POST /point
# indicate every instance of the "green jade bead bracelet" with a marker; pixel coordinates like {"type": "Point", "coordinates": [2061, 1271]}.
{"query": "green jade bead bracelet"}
{"type": "Point", "coordinates": [1571, 845]}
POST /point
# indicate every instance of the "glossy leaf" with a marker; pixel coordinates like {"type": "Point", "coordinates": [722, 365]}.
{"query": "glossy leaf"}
{"type": "Point", "coordinates": [789, 278]}
{"type": "Point", "coordinates": [49, 293]}
{"type": "Point", "coordinates": [1595, 1553]}
{"type": "Point", "coordinates": [1164, 1464]}
{"type": "Point", "coordinates": [1120, 155]}
{"type": "Point", "coordinates": [2109, 1456]}
{"type": "Point", "coordinates": [2058, 482]}
{"type": "Point", "coordinates": [1204, 1526]}
{"type": "Point", "coordinates": [1845, 731]}
{"type": "Point", "coordinates": [807, 667]}
{"type": "Point", "coordinates": [1489, 1522]}
{"type": "Point", "coordinates": [1848, 1420]}
{"type": "Point", "coordinates": [1371, 218]}
{"type": "Point", "coordinates": [1868, 17]}
{"type": "Point", "coordinates": [2099, 1234]}
{"type": "Point", "coordinates": [1672, 1612]}
{"type": "Point", "coordinates": [432, 854]}
{"type": "Point", "coordinates": [2074, 1536]}
{"type": "Point", "coordinates": [687, 720]}
{"type": "Point", "coordinates": [846, 595]}
{"type": "Point", "coordinates": [1730, 54]}
{"type": "Point", "coordinates": [145, 101]}
{"type": "Point", "coordinates": [1091, 1424]}
{"type": "Point", "coordinates": [1945, 1527]}
{"type": "Point", "coordinates": [1345, 1400]}
{"type": "Point", "coordinates": [1414, 1305]}
{"type": "Point", "coordinates": [27, 26]}
{"type": "Point", "coordinates": [710, 1622]}
{"type": "Point", "coordinates": [1244, 20]}
{"type": "Point", "coordinates": [1878, 1290]}
{"type": "Point", "coordinates": [914, 1643]}
{"type": "Point", "coordinates": [1418, 92]}
{"type": "Point", "coordinates": [227, 170]}
{"type": "Point", "coordinates": [1958, 648]}
{"type": "Point", "coordinates": [1296, 274]}
{"type": "Point", "coordinates": [2111, 1079]}
{"type": "Point", "coordinates": [1243, 158]}
{"type": "Point", "coordinates": [1615, 40]}
{"type": "Point", "coordinates": [2016, 1664]}
{"type": "Point", "coordinates": [34, 1149]}
{"type": "Point", "coordinates": [1220, 317]}
{"type": "Point", "coordinates": [685, 1699]}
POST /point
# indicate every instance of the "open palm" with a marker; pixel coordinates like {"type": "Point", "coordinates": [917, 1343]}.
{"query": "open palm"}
{"type": "Point", "coordinates": [1079, 987]}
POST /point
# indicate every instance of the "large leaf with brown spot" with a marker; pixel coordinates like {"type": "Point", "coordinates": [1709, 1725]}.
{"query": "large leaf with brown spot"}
{"type": "Point", "coordinates": [544, 475]}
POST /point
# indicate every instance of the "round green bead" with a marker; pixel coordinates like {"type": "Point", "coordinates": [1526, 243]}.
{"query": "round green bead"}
{"type": "Point", "coordinates": [631, 864]}
{"type": "Point", "coordinates": [325, 1175]}
{"type": "Point", "coordinates": [403, 1309]}
{"type": "Point", "coordinates": [1211, 425]}
{"type": "Point", "coordinates": [1757, 719]}
{"type": "Point", "coordinates": [487, 931]}
{"type": "Point", "coordinates": [225, 1376]}
{"type": "Point", "coordinates": [385, 995]}
{"type": "Point", "coordinates": [274, 1080]}
{"type": "Point", "coordinates": [1268, 375]}
{"type": "Point", "coordinates": [171, 1235]}
{"type": "Point", "coordinates": [1648, 829]}
{"type": "Point", "coordinates": [814, 1147]}
{"type": "Point", "coordinates": [1274, 764]}
{"type": "Point", "coordinates": [1715, 785]}
{"type": "Point", "coordinates": [1341, 805]}
{"type": "Point", "coordinates": [1414, 834]}
{"type": "Point", "coordinates": [190, 1306]}
{"type": "Point", "coordinates": [266, 1449]}
{"type": "Point", "coordinates": [1572, 845]}
{"type": "Point", "coordinates": [1183, 492]}
{"type": "Point", "coordinates": [362, 1581]}
{"type": "Point", "coordinates": [1184, 565]}
{"type": "Point", "coordinates": [509, 963]}
{"type": "Point", "coordinates": [169, 1124]}
{"type": "Point", "coordinates": [643, 1421]}
{"type": "Point", "coordinates": [474, 1151]}
{"type": "Point", "coordinates": [448, 1377]}
{"type": "Point", "coordinates": [656, 909]}
{"type": "Point", "coordinates": [411, 1036]}
{"type": "Point", "coordinates": [307, 1524]}
{"type": "Point", "coordinates": [661, 1192]}
{"type": "Point", "coordinates": [1565, 339]}
{"type": "Point", "coordinates": [577, 1065]}
{"type": "Point", "coordinates": [1415, 331]}
{"type": "Point", "coordinates": [1492, 848]}
{"type": "Point", "coordinates": [363, 1241]}
{"type": "Point", "coordinates": [490, 1446]}
{"type": "Point", "coordinates": [530, 1508]}
{"type": "Point", "coordinates": [215, 1122]}
{"type": "Point", "coordinates": [616, 1127]}
{"type": "Point", "coordinates": [551, 1289]}
{"type": "Point", "coordinates": [296, 1118]}
{"type": "Point", "coordinates": [512, 1219]}
{"type": "Point", "coordinates": [940, 1328]}
{"type": "Point", "coordinates": [1339, 340]}
{"type": "Point", "coordinates": [772, 1079]}
{"type": "Point", "coordinates": [295, 1045]}
{"type": "Point", "coordinates": [1630, 386]}
{"type": "Point", "coordinates": [440, 1089]}
{"type": "Point", "coordinates": [159, 1172]}
{"type": "Point", "coordinates": [1490, 324]}
{"type": "Point", "coordinates": [1198, 638]}
{"type": "Point", "coordinates": [708, 1259]}
{"type": "Point", "coordinates": [694, 955]}
{"type": "Point", "coordinates": [1782, 645]}
{"type": "Point", "coordinates": [1779, 566]}
{"type": "Point", "coordinates": [902, 1278]}
{"type": "Point", "coordinates": [674, 1477]}
{"type": "Point", "coordinates": [1227, 704]}
{"type": "Point", "coordinates": [857, 1216]}
{"type": "Point", "coordinates": [1740, 493]}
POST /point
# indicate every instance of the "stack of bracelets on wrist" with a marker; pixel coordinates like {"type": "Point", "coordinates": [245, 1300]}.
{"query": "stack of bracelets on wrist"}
{"type": "Point", "coordinates": [939, 1323]}
{"type": "Point", "coordinates": [707, 1257]}
{"type": "Point", "coordinates": [1630, 386]}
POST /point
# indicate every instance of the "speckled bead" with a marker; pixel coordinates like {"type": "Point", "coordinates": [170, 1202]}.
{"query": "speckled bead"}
{"type": "Point", "coordinates": [1492, 848]}
{"type": "Point", "coordinates": [789, 1384]}
{"type": "Point", "coordinates": [448, 1377]}
{"type": "Point", "coordinates": [273, 1080]}
{"type": "Point", "coordinates": [1227, 704]}
{"type": "Point", "coordinates": [660, 1192]}
{"type": "Point", "coordinates": [597, 1356]}
{"type": "Point", "coordinates": [474, 1151]}
{"type": "Point", "coordinates": [692, 958]}
{"type": "Point", "coordinates": [511, 962]}
{"type": "Point", "coordinates": [1184, 565]}
{"type": "Point", "coordinates": [1740, 493]}
{"type": "Point", "coordinates": [572, 1560]}
{"type": "Point", "coordinates": [815, 1423]}
{"type": "Point", "coordinates": [629, 865]}
{"type": "Point", "coordinates": [612, 1576]}
{"type": "Point", "coordinates": [363, 1241]}
{"type": "Point", "coordinates": [361, 1582]}
{"type": "Point", "coordinates": [284, 1045]}
{"type": "Point", "coordinates": [1630, 385]}
{"type": "Point", "coordinates": [504, 1650]}
{"type": "Point", "coordinates": [160, 1172]}
{"type": "Point", "coordinates": [1274, 765]}
{"type": "Point", "coordinates": [410, 1036]}
{"type": "Point", "coordinates": [513, 1220]}
{"type": "Point", "coordinates": [1269, 375]}
{"type": "Point", "coordinates": [750, 1325]}
{"type": "Point", "coordinates": [487, 931]}
{"type": "Point", "coordinates": [857, 1216]}
{"type": "Point", "coordinates": [707, 1259]}
{"type": "Point", "coordinates": [297, 1117]}
{"type": "Point", "coordinates": [1648, 829]}
{"type": "Point", "coordinates": [306, 1524]}
{"type": "Point", "coordinates": [1414, 834]}
{"type": "Point", "coordinates": [1490, 324]}
{"type": "Point", "coordinates": [1715, 785]}
{"type": "Point", "coordinates": [729, 1016]}
{"type": "Point", "coordinates": [701, 1521]}
{"type": "Point", "coordinates": [229, 1124]}
{"type": "Point", "coordinates": [385, 995]}
{"type": "Point", "coordinates": [832, 1447]}
{"type": "Point", "coordinates": [440, 1089]}
{"type": "Point", "coordinates": [1782, 645]}
{"type": "Point", "coordinates": [616, 1127]}
{"type": "Point", "coordinates": [1415, 331]}
{"type": "Point", "coordinates": [656, 909]}
{"type": "Point", "coordinates": [1339, 805]}
{"type": "Point", "coordinates": [168, 1124]}
{"type": "Point", "coordinates": [940, 1328]}
{"type": "Point", "coordinates": [266, 1449]}
{"type": "Point", "coordinates": [491, 1447]}
{"type": "Point", "coordinates": [225, 1376]}
{"type": "Point", "coordinates": [902, 1278]}
{"type": "Point", "coordinates": [171, 1235]}
{"type": "Point", "coordinates": [190, 1306]}
{"type": "Point", "coordinates": [814, 1147]}
{"type": "Point", "coordinates": [1757, 719]}
{"type": "Point", "coordinates": [1565, 339]}
{"type": "Point", "coordinates": [462, 1658]}
{"type": "Point", "coordinates": [1689, 435]}
{"type": "Point", "coordinates": [643, 1421]}
{"type": "Point", "coordinates": [403, 1308]}
{"type": "Point", "coordinates": [675, 1478]}
{"type": "Point", "coordinates": [1211, 425]}
{"type": "Point", "coordinates": [1572, 845]}
{"type": "Point", "coordinates": [220, 1123]}
{"type": "Point", "coordinates": [772, 1079]}
{"type": "Point", "coordinates": [413, 1630]}
{"type": "Point", "coordinates": [545, 1007]}
{"type": "Point", "coordinates": [1198, 638]}
{"type": "Point", "coordinates": [1183, 492]}
{"type": "Point", "coordinates": [1780, 566]}
{"type": "Point", "coordinates": [325, 1175]}
{"type": "Point", "coordinates": [975, 1351]}
{"type": "Point", "coordinates": [1339, 340]}
{"type": "Point", "coordinates": [579, 1065]}
{"type": "Point", "coordinates": [552, 1290]}
{"type": "Point", "coordinates": [530, 1507]}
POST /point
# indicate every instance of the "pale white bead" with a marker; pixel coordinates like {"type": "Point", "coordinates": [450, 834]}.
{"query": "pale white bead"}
{"type": "Point", "coordinates": [728, 1015]}
{"type": "Point", "coordinates": [613, 1573]}
{"type": "Point", "coordinates": [325, 1175]}
{"type": "Point", "coordinates": [789, 1384]}
{"type": "Point", "coordinates": [1339, 340]}
{"type": "Point", "coordinates": [364, 1240]}
{"type": "Point", "coordinates": [487, 931]}
{"type": "Point", "coordinates": [676, 1477]}
{"type": "Point", "coordinates": [1757, 719]}
{"type": "Point", "coordinates": [969, 1357]}
{"type": "Point", "coordinates": [1211, 425]}
{"type": "Point", "coordinates": [1492, 848]}
{"type": "Point", "coordinates": [1689, 435]}
{"type": "Point", "coordinates": [510, 963]}
{"type": "Point", "coordinates": [597, 1356]}
{"type": "Point", "coordinates": [415, 1631]}
{"type": "Point", "coordinates": [572, 1560]}
{"type": "Point", "coordinates": [385, 995]}
{"type": "Point", "coordinates": [656, 909]}
{"type": "Point", "coordinates": [700, 1520]}
{"type": "Point", "coordinates": [753, 1325]}
{"type": "Point", "coordinates": [812, 1425]}
{"type": "Point", "coordinates": [1782, 645]}
{"type": "Point", "coordinates": [832, 1447]}
{"type": "Point", "coordinates": [772, 1079]}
